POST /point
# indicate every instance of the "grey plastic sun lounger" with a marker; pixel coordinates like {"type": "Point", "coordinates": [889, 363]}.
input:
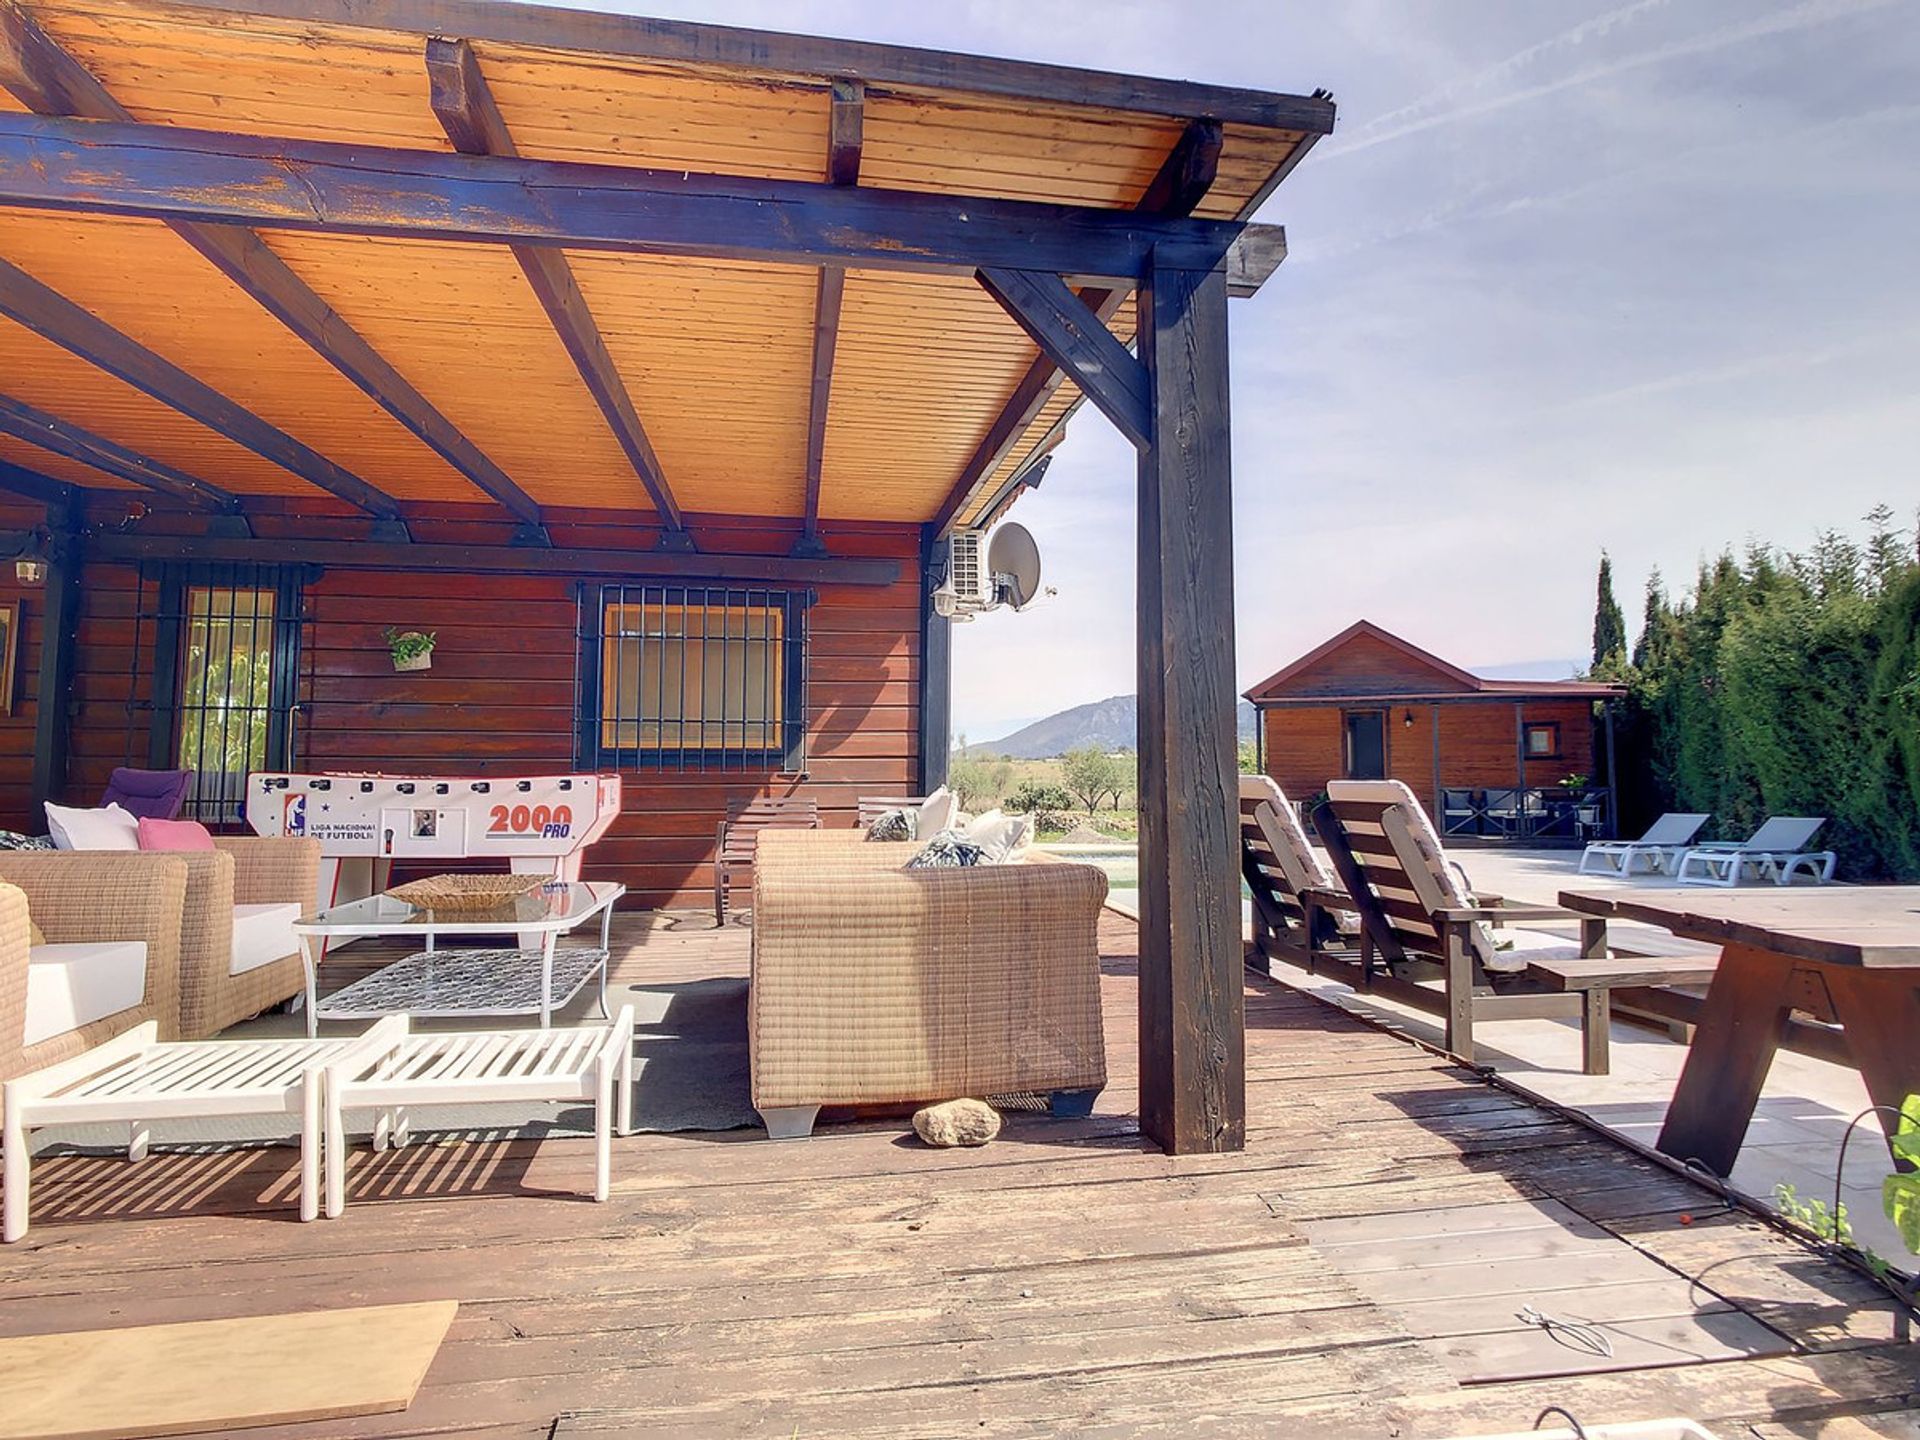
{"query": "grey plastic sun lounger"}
{"type": "Point", "coordinates": [1777, 851]}
{"type": "Point", "coordinates": [1666, 840]}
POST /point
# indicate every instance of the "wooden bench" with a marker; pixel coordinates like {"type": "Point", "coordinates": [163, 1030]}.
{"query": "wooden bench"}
{"type": "Point", "coordinates": [1595, 979]}
{"type": "Point", "coordinates": [738, 840]}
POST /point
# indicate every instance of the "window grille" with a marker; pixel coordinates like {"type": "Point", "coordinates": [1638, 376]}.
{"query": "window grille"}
{"type": "Point", "coordinates": [691, 677]}
{"type": "Point", "coordinates": [222, 692]}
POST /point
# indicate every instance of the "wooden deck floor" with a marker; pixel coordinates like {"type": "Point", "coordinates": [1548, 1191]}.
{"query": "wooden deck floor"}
{"type": "Point", "coordinates": [1064, 1279]}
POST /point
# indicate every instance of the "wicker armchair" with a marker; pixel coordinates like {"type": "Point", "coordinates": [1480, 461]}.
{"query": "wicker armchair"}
{"type": "Point", "coordinates": [78, 898]}
{"type": "Point", "coordinates": [243, 871]}
{"type": "Point", "coordinates": [877, 985]}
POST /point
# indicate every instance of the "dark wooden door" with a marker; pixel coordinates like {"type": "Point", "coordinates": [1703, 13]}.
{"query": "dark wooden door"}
{"type": "Point", "coordinates": [1366, 745]}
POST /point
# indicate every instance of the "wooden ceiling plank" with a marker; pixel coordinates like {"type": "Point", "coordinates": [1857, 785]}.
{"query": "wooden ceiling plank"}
{"type": "Point", "coordinates": [49, 81]}
{"type": "Point", "coordinates": [172, 172]}
{"type": "Point", "coordinates": [466, 110]}
{"type": "Point", "coordinates": [1179, 185]}
{"type": "Point", "coordinates": [56, 318]}
{"type": "Point", "coordinates": [844, 128]}
{"type": "Point", "coordinates": [49, 432]}
{"type": "Point", "coordinates": [32, 485]}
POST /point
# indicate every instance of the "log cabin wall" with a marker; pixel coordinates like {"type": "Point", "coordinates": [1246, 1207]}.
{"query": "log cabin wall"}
{"type": "Point", "coordinates": [500, 696]}
{"type": "Point", "coordinates": [1304, 746]}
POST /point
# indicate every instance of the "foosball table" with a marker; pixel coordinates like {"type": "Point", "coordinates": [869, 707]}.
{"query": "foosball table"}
{"type": "Point", "coordinates": [539, 824]}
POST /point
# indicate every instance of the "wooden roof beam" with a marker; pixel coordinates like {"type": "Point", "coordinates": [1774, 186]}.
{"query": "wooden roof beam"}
{"type": "Point", "coordinates": [682, 43]}
{"type": "Point", "coordinates": [1177, 187]}
{"type": "Point", "coordinates": [49, 81]}
{"type": "Point", "coordinates": [170, 172]}
{"type": "Point", "coordinates": [845, 123]}
{"type": "Point", "coordinates": [50, 432]}
{"type": "Point", "coordinates": [32, 485]}
{"type": "Point", "coordinates": [54, 317]}
{"type": "Point", "coordinates": [1074, 337]}
{"type": "Point", "coordinates": [464, 105]}
{"type": "Point", "coordinates": [427, 557]}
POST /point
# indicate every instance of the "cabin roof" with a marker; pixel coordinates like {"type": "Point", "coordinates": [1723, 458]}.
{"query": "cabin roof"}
{"type": "Point", "coordinates": [1367, 663]}
{"type": "Point", "coordinates": [928, 410]}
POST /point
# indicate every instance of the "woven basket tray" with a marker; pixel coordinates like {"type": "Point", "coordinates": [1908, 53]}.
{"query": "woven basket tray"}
{"type": "Point", "coordinates": [466, 892]}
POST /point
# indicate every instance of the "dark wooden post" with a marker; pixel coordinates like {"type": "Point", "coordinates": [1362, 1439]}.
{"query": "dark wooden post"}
{"type": "Point", "coordinates": [935, 688]}
{"type": "Point", "coordinates": [1439, 792]}
{"type": "Point", "coordinates": [1192, 1006]}
{"type": "Point", "coordinates": [1612, 830]}
{"type": "Point", "coordinates": [1520, 769]}
{"type": "Point", "coordinates": [52, 718]}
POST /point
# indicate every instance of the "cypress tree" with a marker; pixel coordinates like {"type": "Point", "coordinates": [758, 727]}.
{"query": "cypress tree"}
{"type": "Point", "coordinates": [1609, 625]}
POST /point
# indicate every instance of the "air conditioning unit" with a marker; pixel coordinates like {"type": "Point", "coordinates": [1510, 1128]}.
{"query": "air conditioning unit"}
{"type": "Point", "coordinates": [982, 577]}
{"type": "Point", "coordinates": [967, 575]}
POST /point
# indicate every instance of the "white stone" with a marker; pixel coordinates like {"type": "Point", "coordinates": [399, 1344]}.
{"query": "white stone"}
{"type": "Point", "coordinates": [957, 1122]}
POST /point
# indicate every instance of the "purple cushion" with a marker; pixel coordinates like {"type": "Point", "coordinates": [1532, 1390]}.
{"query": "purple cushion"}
{"type": "Point", "coordinates": [148, 794]}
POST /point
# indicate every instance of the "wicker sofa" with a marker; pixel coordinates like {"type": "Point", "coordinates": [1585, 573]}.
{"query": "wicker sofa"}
{"type": "Point", "coordinates": [874, 985]}
{"type": "Point", "coordinates": [102, 916]}
{"type": "Point", "coordinates": [236, 953]}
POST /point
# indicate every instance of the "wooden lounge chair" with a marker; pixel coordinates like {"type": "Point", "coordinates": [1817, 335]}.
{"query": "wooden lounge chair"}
{"type": "Point", "coordinates": [1291, 885]}
{"type": "Point", "coordinates": [1776, 851]}
{"type": "Point", "coordinates": [1666, 840]}
{"type": "Point", "coordinates": [738, 841]}
{"type": "Point", "coordinates": [1419, 922]}
{"type": "Point", "coordinates": [872, 807]}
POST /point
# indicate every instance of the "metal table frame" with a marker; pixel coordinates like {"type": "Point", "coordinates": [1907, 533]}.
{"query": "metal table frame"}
{"type": "Point", "coordinates": [405, 986]}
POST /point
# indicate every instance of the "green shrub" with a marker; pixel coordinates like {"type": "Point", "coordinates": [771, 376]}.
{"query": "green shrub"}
{"type": "Point", "coordinates": [1032, 796]}
{"type": "Point", "coordinates": [1786, 684]}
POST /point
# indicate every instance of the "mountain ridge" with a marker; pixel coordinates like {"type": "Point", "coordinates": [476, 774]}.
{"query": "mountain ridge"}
{"type": "Point", "coordinates": [1112, 724]}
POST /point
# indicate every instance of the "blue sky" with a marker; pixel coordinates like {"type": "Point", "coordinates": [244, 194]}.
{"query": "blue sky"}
{"type": "Point", "coordinates": [1640, 276]}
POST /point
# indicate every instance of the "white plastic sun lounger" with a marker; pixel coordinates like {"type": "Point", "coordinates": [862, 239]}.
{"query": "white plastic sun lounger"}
{"type": "Point", "coordinates": [134, 1080]}
{"type": "Point", "coordinates": [1666, 840]}
{"type": "Point", "coordinates": [593, 1063]}
{"type": "Point", "coordinates": [1777, 851]}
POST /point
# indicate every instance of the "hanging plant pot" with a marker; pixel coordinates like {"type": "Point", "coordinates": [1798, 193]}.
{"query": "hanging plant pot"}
{"type": "Point", "coordinates": [411, 649]}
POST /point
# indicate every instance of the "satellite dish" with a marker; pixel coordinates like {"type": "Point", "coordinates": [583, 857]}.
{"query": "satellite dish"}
{"type": "Point", "coordinates": [1014, 562]}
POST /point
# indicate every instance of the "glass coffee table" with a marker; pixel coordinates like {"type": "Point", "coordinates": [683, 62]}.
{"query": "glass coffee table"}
{"type": "Point", "coordinates": [532, 976]}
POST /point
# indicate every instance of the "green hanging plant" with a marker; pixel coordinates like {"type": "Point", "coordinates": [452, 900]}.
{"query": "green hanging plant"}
{"type": "Point", "coordinates": [412, 649]}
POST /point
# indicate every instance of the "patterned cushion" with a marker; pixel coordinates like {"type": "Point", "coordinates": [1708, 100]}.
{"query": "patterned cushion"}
{"type": "Point", "coordinates": [946, 851]}
{"type": "Point", "coordinates": [891, 825]}
{"type": "Point", "coordinates": [14, 840]}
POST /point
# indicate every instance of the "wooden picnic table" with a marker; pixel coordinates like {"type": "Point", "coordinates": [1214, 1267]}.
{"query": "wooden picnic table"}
{"type": "Point", "coordinates": [1848, 955]}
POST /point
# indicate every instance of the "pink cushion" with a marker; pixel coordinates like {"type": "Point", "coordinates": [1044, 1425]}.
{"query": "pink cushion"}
{"type": "Point", "coordinates": [174, 834]}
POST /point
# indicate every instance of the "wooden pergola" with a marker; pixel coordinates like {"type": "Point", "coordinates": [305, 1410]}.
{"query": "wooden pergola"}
{"type": "Point", "coordinates": [451, 285]}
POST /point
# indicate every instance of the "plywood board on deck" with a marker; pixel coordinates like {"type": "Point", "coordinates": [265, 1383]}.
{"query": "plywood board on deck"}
{"type": "Point", "coordinates": [216, 1375]}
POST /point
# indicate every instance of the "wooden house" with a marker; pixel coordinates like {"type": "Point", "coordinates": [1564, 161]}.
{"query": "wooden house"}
{"type": "Point", "coordinates": [647, 365]}
{"type": "Point", "coordinates": [1492, 759]}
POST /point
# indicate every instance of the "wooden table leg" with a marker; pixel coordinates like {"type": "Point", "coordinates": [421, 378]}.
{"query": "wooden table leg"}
{"type": "Point", "coordinates": [1740, 1028]}
{"type": "Point", "coordinates": [1881, 1012]}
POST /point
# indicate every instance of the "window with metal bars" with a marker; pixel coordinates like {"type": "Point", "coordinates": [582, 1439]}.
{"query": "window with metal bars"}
{"type": "Point", "coordinates": [692, 677]}
{"type": "Point", "coordinates": [226, 660]}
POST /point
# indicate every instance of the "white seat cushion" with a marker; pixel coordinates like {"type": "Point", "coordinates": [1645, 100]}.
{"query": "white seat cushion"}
{"type": "Point", "coordinates": [262, 934]}
{"type": "Point", "coordinates": [73, 985]}
{"type": "Point", "coordinates": [939, 811]}
{"type": "Point", "coordinates": [111, 828]}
